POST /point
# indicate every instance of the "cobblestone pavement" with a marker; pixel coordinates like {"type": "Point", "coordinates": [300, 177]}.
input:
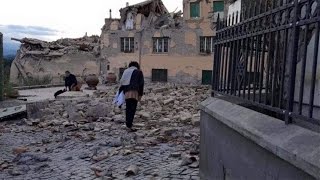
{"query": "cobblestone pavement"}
{"type": "Point", "coordinates": [100, 149]}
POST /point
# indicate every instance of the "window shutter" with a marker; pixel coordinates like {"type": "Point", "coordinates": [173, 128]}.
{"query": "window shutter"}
{"type": "Point", "coordinates": [122, 45]}
{"type": "Point", "coordinates": [218, 6]}
{"type": "Point", "coordinates": [194, 10]}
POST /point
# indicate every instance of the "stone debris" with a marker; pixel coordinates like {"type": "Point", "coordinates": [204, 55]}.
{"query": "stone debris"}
{"type": "Point", "coordinates": [37, 59]}
{"type": "Point", "coordinates": [20, 150]}
{"type": "Point", "coordinates": [188, 160]}
{"type": "Point", "coordinates": [168, 101]}
{"type": "Point", "coordinates": [175, 154]}
{"type": "Point", "coordinates": [57, 48]}
{"type": "Point", "coordinates": [41, 167]}
{"type": "Point", "coordinates": [69, 158]}
{"type": "Point", "coordinates": [84, 156]}
{"type": "Point", "coordinates": [99, 172]}
{"type": "Point", "coordinates": [165, 118]}
{"type": "Point", "coordinates": [100, 157]}
{"type": "Point", "coordinates": [4, 165]}
{"type": "Point", "coordinates": [18, 171]}
{"type": "Point", "coordinates": [132, 170]}
{"type": "Point", "coordinates": [30, 159]}
{"type": "Point", "coordinates": [194, 164]}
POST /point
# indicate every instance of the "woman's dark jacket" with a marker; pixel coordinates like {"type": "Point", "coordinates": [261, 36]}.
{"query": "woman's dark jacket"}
{"type": "Point", "coordinates": [70, 80]}
{"type": "Point", "coordinates": [136, 83]}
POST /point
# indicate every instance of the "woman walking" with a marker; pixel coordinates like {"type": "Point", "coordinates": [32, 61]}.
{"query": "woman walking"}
{"type": "Point", "coordinates": [132, 84]}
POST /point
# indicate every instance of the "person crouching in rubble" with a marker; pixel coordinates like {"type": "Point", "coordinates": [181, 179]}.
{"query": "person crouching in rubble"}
{"type": "Point", "coordinates": [132, 84]}
{"type": "Point", "coordinates": [71, 82]}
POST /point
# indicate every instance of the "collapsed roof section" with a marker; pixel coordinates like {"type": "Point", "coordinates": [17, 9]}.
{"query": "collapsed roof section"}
{"type": "Point", "coordinates": [39, 49]}
{"type": "Point", "coordinates": [150, 13]}
{"type": "Point", "coordinates": [145, 8]}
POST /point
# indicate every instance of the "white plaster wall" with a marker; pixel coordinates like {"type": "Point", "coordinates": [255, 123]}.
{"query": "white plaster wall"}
{"type": "Point", "coordinates": [234, 8]}
{"type": "Point", "coordinates": [308, 75]}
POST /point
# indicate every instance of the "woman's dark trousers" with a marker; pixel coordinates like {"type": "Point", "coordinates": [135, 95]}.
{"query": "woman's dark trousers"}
{"type": "Point", "coordinates": [131, 108]}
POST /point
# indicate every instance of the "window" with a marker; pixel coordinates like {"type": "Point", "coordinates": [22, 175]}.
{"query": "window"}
{"type": "Point", "coordinates": [194, 9]}
{"type": "Point", "coordinates": [159, 75]}
{"type": "Point", "coordinates": [206, 44]}
{"type": "Point", "coordinates": [160, 45]}
{"type": "Point", "coordinates": [218, 6]}
{"type": "Point", "coordinates": [127, 45]}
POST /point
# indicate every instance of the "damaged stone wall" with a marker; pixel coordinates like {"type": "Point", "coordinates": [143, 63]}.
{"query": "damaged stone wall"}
{"type": "Point", "coordinates": [183, 59]}
{"type": "Point", "coordinates": [37, 59]}
{"type": "Point", "coordinates": [110, 47]}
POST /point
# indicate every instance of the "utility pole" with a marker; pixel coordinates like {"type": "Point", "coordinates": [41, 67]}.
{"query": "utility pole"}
{"type": "Point", "coordinates": [140, 45]}
{"type": "Point", "coordinates": [1, 68]}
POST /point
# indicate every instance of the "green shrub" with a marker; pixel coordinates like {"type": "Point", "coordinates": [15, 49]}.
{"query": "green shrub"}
{"type": "Point", "coordinates": [9, 91]}
{"type": "Point", "coordinates": [34, 81]}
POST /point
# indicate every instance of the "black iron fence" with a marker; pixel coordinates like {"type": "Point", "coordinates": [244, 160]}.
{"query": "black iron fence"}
{"type": "Point", "coordinates": [268, 55]}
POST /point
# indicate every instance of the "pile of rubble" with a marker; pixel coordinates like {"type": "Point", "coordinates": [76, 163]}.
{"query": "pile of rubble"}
{"type": "Point", "coordinates": [163, 109]}
{"type": "Point", "coordinates": [38, 60]}
{"type": "Point", "coordinates": [172, 104]}
{"type": "Point", "coordinates": [167, 114]}
{"type": "Point", "coordinates": [48, 50]}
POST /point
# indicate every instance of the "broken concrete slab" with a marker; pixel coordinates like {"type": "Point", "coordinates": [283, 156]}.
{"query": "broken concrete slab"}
{"type": "Point", "coordinates": [10, 112]}
{"type": "Point", "coordinates": [72, 94]}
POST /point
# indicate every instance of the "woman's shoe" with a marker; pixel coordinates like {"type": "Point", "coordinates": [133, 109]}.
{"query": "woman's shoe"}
{"type": "Point", "coordinates": [131, 130]}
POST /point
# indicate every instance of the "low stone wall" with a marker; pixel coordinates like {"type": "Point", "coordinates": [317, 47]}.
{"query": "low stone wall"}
{"type": "Point", "coordinates": [238, 143]}
{"type": "Point", "coordinates": [38, 86]}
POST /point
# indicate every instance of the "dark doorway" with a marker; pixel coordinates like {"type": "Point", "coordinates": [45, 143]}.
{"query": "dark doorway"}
{"type": "Point", "coordinates": [121, 70]}
{"type": "Point", "coordinates": [206, 77]}
{"type": "Point", "coordinates": [159, 75]}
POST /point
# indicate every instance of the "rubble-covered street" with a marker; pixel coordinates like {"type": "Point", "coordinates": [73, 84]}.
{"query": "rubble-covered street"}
{"type": "Point", "coordinates": [85, 138]}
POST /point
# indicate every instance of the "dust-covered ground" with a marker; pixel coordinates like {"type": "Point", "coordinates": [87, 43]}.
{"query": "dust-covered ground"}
{"type": "Point", "coordinates": [85, 138]}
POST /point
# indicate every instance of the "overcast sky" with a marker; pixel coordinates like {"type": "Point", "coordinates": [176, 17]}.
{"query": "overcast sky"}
{"type": "Point", "coordinates": [53, 19]}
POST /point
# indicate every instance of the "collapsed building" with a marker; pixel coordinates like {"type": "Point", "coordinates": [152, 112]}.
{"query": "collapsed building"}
{"type": "Point", "coordinates": [171, 47]}
{"type": "Point", "coordinates": [38, 60]}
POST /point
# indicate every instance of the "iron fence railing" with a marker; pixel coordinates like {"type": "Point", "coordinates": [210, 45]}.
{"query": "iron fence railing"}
{"type": "Point", "coordinates": [270, 57]}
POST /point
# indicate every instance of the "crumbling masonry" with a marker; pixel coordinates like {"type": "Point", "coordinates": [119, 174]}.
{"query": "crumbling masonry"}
{"type": "Point", "coordinates": [175, 47]}
{"type": "Point", "coordinates": [168, 46]}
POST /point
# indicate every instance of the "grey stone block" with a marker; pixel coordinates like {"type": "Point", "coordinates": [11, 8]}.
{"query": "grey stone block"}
{"type": "Point", "coordinates": [243, 144]}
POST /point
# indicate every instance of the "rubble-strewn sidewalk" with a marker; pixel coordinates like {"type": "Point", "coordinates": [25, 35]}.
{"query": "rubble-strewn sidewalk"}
{"type": "Point", "coordinates": [86, 138]}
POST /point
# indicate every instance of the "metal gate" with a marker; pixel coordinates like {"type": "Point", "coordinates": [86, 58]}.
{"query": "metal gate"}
{"type": "Point", "coordinates": [267, 55]}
